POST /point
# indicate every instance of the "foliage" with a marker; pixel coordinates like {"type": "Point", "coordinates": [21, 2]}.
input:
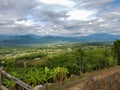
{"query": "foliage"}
{"type": "Point", "coordinates": [60, 73]}
{"type": "Point", "coordinates": [59, 64]}
{"type": "Point", "coordinates": [37, 76]}
{"type": "Point", "coordinates": [31, 56]}
{"type": "Point", "coordinates": [9, 84]}
{"type": "Point", "coordinates": [81, 61]}
{"type": "Point", "coordinates": [116, 51]}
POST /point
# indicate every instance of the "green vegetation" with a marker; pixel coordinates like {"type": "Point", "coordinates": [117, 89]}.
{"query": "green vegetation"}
{"type": "Point", "coordinates": [55, 63]}
{"type": "Point", "coordinates": [116, 51]}
{"type": "Point", "coordinates": [81, 61]}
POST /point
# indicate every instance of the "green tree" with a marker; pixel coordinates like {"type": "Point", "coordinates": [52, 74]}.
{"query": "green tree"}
{"type": "Point", "coordinates": [116, 51]}
{"type": "Point", "coordinates": [81, 59]}
{"type": "Point", "coordinates": [60, 74]}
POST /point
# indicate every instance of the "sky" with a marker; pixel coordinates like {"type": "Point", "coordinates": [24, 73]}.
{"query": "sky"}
{"type": "Point", "coordinates": [59, 17]}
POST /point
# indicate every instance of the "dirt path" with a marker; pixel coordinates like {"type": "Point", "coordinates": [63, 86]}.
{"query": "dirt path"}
{"type": "Point", "coordinates": [95, 75]}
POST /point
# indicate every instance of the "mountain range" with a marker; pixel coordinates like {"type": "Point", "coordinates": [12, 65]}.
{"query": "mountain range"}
{"type": "Point", "coordinates": [13, 40]}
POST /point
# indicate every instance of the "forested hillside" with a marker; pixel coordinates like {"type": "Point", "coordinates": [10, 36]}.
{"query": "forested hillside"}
{"type": "Point", "coordinates": [30, 39]}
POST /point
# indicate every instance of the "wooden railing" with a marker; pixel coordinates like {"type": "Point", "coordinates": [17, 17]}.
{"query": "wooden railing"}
{"type": "Point", "coordinates": [17, 81]}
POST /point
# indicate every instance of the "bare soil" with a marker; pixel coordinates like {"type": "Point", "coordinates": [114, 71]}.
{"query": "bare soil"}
{"type": "Point", "coordinates": [107, 79]}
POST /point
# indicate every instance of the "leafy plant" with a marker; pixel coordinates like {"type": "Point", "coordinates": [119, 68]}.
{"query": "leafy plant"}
{"type": "Point", "coordinates": [60, 74]}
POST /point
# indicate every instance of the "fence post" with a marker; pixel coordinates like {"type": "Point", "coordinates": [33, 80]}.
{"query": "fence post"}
{"type": "Point", "coordinates": [17, 81]}
{"type": "Point", "coordinates": [0, 77]}
{"type": "Point", "coordinates": [111, 82]}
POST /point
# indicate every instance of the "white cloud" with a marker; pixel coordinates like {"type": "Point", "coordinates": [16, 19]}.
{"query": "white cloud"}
{"type": "Point", "coordinates": [100, 20]}
{"type": "Point", "coordinates": [83, 15]}
{"type": "Point", "coordinates": [25, 22]}
{"type": "Point", "coordinates": [68, 3]}
{"type": "Point", "coordinates": [59, 17]}
{"type": "Point", "coordinates": [104, 25]}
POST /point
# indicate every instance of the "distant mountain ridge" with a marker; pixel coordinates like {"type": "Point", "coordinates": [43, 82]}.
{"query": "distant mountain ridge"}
{"type": "Point", "coordinates": [11, 40]}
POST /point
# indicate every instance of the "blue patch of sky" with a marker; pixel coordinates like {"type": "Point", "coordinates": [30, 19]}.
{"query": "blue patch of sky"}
{"type": "Point", "coordinates": [115, 3]}
{"type": "Point", "coordinates": [30, 16]}
{"type": "Point", "coordinates": [109, 6]}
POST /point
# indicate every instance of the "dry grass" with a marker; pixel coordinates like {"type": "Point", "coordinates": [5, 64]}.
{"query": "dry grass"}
{"type": "Point", "coordinates": [99, 80]}
{"type": "Point", "coordinates": [111, 82]}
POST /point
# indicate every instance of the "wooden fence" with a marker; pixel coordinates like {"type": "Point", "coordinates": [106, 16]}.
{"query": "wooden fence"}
{"type": "Point", "coordinates": [17, 81]}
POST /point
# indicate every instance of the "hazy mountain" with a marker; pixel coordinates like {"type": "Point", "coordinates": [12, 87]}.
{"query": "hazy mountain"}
{"type": "Point", "coordinates": [100, 37]}
{"type": "Point", "coordinates": [7, 40]}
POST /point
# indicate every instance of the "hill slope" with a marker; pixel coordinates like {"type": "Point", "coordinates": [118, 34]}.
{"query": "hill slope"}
{"type": "Point", "coordinates": [107, 79]}
{"type": "Point", "coordinates": [111, 82]}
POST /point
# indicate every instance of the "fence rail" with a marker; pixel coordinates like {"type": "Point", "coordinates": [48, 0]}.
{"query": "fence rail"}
{"type": "Point", "coordinates": [17, 81]}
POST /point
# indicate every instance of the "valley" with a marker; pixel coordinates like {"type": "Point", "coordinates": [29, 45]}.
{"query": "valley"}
{"type": "Point", "coordinates": [55, 63]}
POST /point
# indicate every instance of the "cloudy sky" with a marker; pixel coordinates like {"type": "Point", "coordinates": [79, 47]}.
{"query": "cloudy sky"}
{"type": "Point", "coordinates": [59, 17]}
